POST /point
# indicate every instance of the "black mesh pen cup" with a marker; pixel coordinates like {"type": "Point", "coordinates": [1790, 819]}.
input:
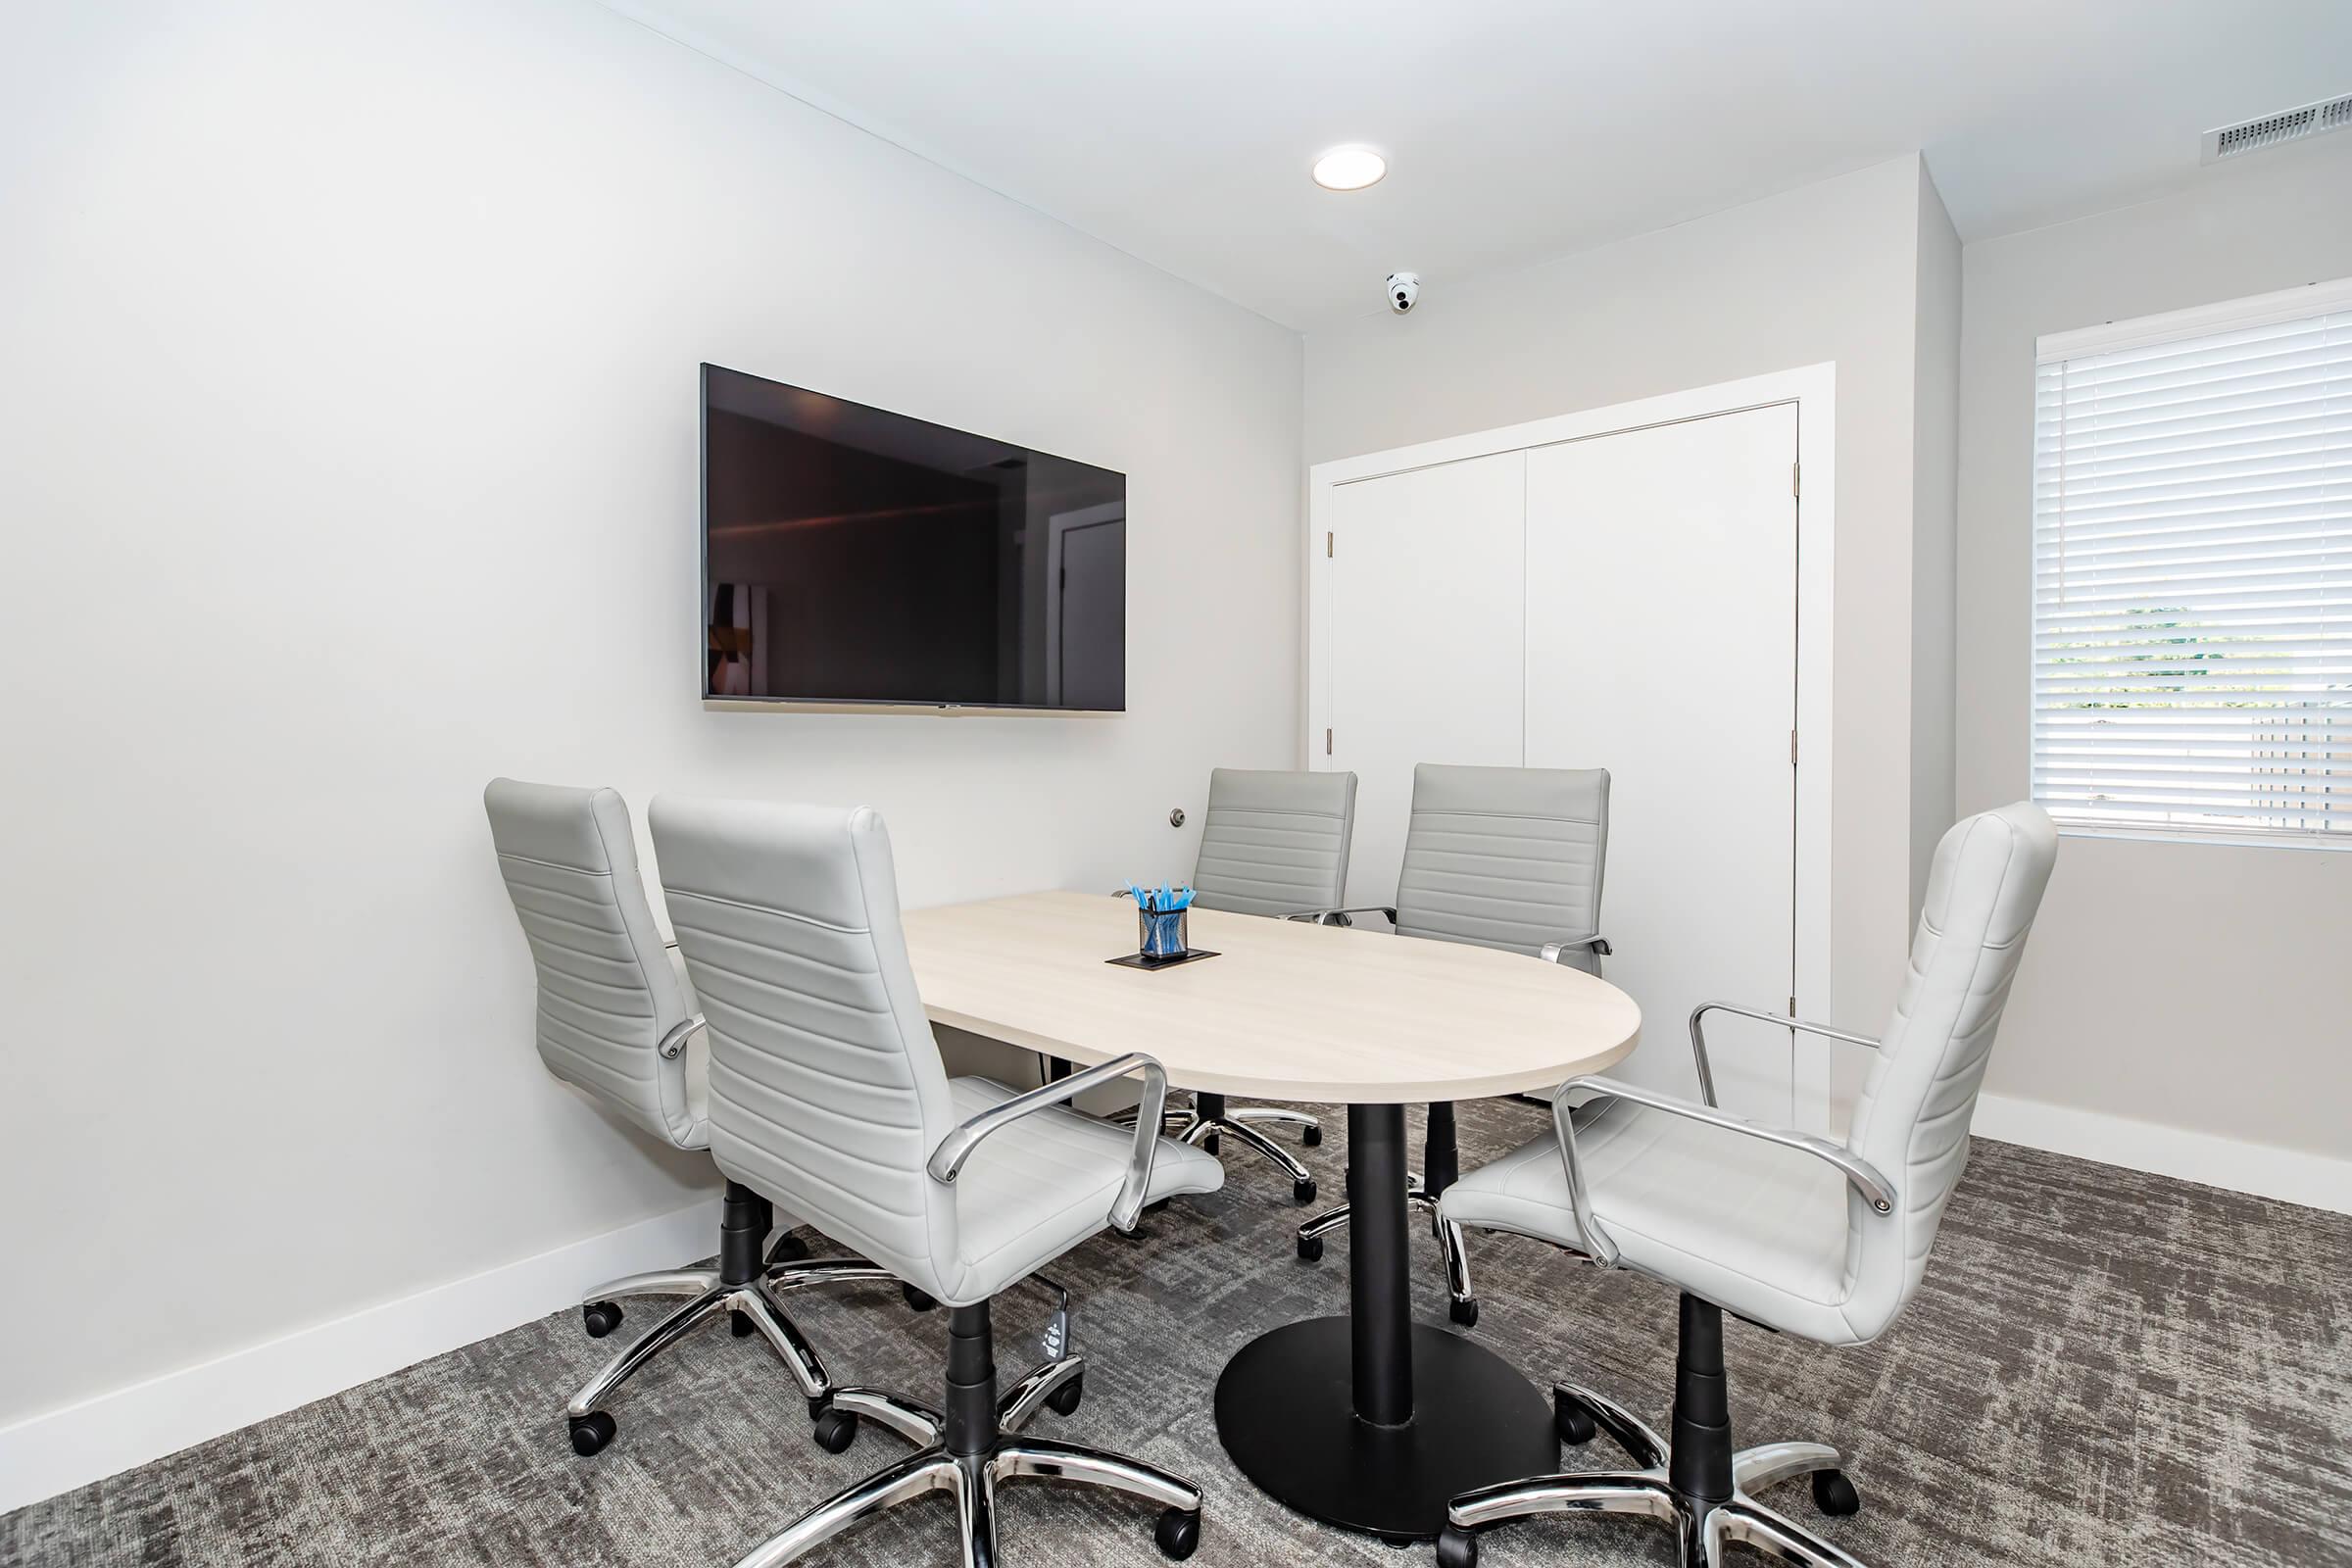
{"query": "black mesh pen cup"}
{"type": "Point", "coordinates": [1159, 936]}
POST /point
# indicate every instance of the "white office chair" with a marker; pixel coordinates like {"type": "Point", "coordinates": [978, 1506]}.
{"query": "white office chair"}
{"type": "Point", "coordinates": [828, 1095]}
{"type": "Point", "coordinates": [1509, 857]}
{"type": "Point", "coordinates": [617, 1020]}
{"type": "Point", "coordinates": [1273, 843]}
{"type": "Point", "coordinates": [1795, 1233]}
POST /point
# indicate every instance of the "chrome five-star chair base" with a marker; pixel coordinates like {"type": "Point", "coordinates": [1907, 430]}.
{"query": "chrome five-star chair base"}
{"type": "Point", "coordinates": [1207, 1120]}
{"type": "Point", "coordinates": [1698, 1485]}
{"type": "Point", "coordinates": [1460, 1303]}
{"type": "Point", "coordinates": [745, 1286]}
{"type": "Point", "coordinates": [971, 1449]}
{"type": "Point", "coordinates": [1442, 1160]}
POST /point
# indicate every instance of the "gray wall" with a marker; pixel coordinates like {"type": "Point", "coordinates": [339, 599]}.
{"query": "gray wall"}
{"type": "Point", "coordinates": [1831, 271]}
{"type": "Point", "coordinates": [2196, 986]}
{"type": "Point", "coordinates": [350, 412]}
{"type": "Point", "coordinates": [1935, 509]}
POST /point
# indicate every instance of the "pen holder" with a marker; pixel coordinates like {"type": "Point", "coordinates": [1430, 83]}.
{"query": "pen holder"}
{"type": "Point", "coordinates": [1159, 936]}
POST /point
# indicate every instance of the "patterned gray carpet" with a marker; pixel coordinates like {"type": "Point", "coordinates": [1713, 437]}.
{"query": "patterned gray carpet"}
{"type": "Point", "coordinates": [2103, 1368]}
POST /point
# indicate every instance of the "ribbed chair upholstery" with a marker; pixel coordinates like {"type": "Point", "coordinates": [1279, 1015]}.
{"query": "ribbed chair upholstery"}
{"type": "Point", "coordinates": [1509, 857]}
{"type": "Point", "coordinates": [1273, 844]}
{"type": "Point", "coordinates": [617, 1018]}
{"type": "Point", "coordinates": [1825, 1240]}
{"type": "Point", "coordinates": [828, 1095]}
{"type": "Point", "coordinates": [611, 995]}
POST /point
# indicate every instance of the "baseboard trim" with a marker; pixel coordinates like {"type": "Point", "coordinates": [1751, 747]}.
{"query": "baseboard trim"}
{"type": "Point", "coordinates": [61, 1449]}
{"type": "Point", "coordinates": [2315, 1181]}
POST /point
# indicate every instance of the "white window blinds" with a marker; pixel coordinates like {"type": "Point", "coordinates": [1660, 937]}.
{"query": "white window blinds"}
{"type": "Point", "coordinates": [2192, 571]}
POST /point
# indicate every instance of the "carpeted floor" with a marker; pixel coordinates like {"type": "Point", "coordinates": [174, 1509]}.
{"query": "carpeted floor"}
{"type": "Point", "coordinates": [2102, 1368]}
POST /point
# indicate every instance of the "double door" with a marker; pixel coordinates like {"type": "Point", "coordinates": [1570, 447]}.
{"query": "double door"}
{"type": "Point", "coordinates": [1626, 602]}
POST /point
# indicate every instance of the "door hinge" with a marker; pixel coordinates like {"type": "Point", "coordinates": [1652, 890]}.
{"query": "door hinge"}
{"type": "Point", "coordinates": [1791, 1007]}
{"type": "Point", "coordinates": [1328, 547]}
{"type": "Point", "coordinates": [1796, 480]}
{"type": "Point", "coordinates": [1327, 743]}
{"type": "Point", "coordinates": [1793, 748]}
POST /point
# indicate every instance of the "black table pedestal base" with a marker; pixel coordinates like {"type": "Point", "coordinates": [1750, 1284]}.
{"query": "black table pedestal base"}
{"type": "Point", "coordinates": [1286, 1412]}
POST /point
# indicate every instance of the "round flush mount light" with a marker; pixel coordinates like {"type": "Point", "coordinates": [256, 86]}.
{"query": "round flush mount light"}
{"type": "Point", "coordinates": [1350, 169]}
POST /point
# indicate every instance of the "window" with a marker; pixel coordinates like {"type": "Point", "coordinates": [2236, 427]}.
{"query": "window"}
{"type": "Point", "coordinates": [2192, 573]}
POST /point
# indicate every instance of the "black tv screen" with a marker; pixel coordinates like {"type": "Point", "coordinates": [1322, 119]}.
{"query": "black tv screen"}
{"type": "Point", "coordinates": [855, 556]}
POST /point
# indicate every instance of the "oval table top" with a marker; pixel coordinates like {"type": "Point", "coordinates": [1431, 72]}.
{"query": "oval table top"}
{"type": "Point", "coordinates": [1287, 1009]}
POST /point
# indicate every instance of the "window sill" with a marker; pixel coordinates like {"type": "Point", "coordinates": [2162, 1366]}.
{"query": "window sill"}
{"type": "Point", "coordinates": [2335, 843]}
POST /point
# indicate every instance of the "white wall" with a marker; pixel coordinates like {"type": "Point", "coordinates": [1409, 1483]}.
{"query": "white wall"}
{"type": "Point", "coordinates": [1831, 271]}
{"type": "Point", "coordinates": [2198, 987]}
{"type": "Point", "coordinates": [349, 405]}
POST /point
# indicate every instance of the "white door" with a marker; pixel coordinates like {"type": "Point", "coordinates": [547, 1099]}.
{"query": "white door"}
{"type": "Point", "coordinates": [1661, 645]}
{"type": "Point", "coordinates": [1425, 620]}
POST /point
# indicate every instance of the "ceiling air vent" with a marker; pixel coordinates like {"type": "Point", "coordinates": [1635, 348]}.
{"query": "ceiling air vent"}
{"type": "Point", "coordinates": [2288, 124]}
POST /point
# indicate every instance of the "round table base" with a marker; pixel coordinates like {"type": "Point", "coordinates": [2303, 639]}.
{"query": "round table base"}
{"type": "Point", "coordinates": [1286, 1413]}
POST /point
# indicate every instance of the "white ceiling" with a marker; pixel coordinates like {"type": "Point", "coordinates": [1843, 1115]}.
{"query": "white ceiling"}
{"type": "Point", "coordinates": [1518, 130]}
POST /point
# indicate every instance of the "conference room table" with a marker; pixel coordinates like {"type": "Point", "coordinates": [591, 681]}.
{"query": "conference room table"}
{"type": "Point", "coordinates": [1371, 1420]}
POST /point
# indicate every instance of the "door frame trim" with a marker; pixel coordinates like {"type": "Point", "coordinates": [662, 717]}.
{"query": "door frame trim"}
{"type": "Point", "coordinates": [1813, 389]}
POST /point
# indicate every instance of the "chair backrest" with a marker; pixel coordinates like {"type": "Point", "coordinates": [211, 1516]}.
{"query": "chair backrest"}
{"type": "Point", "coordinates": [1911, 1119]}
{"type": "Point", "coordinates": [1505, 856]}
{"type": "Point", "coordinates": [608, 990]}
{"type": "Point", "coordinates": [1275, 843]}
{"type": "Point", "coordinates": [827, 1092]}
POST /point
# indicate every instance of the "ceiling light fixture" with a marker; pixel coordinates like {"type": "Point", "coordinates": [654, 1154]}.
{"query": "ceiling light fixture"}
{"type": "Point", "coordinates": [1350, 169]}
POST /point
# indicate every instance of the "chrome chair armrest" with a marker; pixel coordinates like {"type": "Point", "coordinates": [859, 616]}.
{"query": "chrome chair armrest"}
{"type": "Point", "coordinates": [1598, 1245]}
{"type": "Point", "coordinates": [1555, 951]}
{"type": "Point", "coordinates": [1698, 1036]}
{"type": "Point", "coordinates": [1328, 916]}
{"type": "Point", "coordinates": [948, 1160]}
{"type": "Point", "coordinates": [1859, 1173]}
{"type": "Point", "coordinates": [674, 1043]}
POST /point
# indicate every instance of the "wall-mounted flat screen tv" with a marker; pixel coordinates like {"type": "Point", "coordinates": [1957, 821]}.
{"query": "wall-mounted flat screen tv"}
{"type": "Point", "coordinates": [858, 557]}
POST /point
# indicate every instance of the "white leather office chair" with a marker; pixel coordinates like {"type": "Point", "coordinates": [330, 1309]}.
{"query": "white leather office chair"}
{"type": "Point", "coordinates": [1509, 857]}
{"type": "Point", "coordinates": [1795, 1233]}
{"type": "Point", "coordinates": [617, 1020]}
{"type": "Point", "coordinates": [828, 1095]}
{"type": "Point", "coordinates": [1273, 843]}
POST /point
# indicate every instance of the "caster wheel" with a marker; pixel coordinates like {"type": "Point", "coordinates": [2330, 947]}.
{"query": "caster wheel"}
{"type": "Point", "coordinates": [1463, 1312]}
{"type": "Point", "coordinates": [600, 1318]}
{"type": "Point", "coordinates": [1303, 1193]}
{"type": "Point", "coordinates": [1571, 1421]}
{"type": "Point", "coordinates": [917, 1299]}
{"type": "Point", "coordinates": [1457, 1549]}
{"type": "Point", "coordinates": [789, 1248]}
{"type": "Point", "coordinates": [1833, 1495]}
{"type": "Point", "coordinates": [591, 1432]}
{"type": "Point", "coordinates": [1208, 1146]}
{"type": "Point", "coordinates": [1311, 1248]}
{"type": "Point", "coordinates": [1312, 1138]}
{"type": "Point", "coordinates": [1064, 1399]}
{"type": "Point", "coordinates": [835, 1431]}
{"type": "Point", "coordinates": [740, 1326]}
{"type": "Point", "coordinates": [1153, 1208]}
{"type": "Point", "coordinates": [1178, 1532]}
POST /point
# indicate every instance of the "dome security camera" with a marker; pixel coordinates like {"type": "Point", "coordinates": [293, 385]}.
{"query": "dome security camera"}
{"type": "Point", "coordinates": [1403, 290]}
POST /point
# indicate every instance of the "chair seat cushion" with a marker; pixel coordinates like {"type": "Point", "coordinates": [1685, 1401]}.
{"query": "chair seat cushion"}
{"type": "Point", "coordinates": [1757, 1229]}
{"type": "Point", "coordinates": [1037, 1188]}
